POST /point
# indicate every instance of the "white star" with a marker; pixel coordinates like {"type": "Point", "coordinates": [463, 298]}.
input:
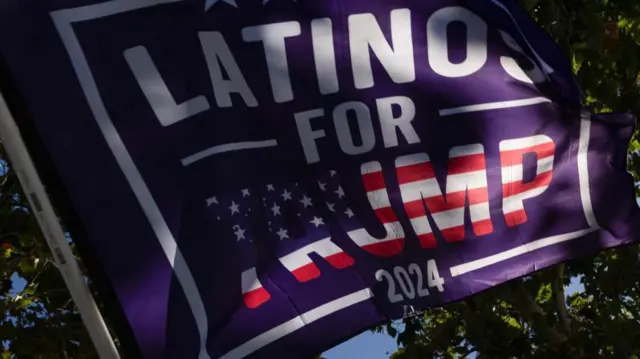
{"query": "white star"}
{"type": "Point", "coordinates": [283, 233]}
{"type": "Point", "coordinates": [286, 195]}
{"type": "Point", "coordinates": [333, 173]}
{"type": "Point", "coordinates": [349, 212]}
{"type": "Point", "coordinates": [340, 192]}
{"type": "Point", "coordinates": [306, 201]}
{"type": "Point", "coordinates": [317, 221]}
{"type": "Point", "coordinates": [212, 200]}
{"type": "Point", "coordinates": [322, 186]}
{"type": "Point", "coordinates": [240, 233]}
{"type": "Point", "coordinates": [234, 208]}
{"type": "Point", "coordinates": [330, 206]}
{"type": "Point", "coordinates": [270, 188]}
{"type": "Point", "coordinates": [209, 3]}
{"type": "Point", "coordinates": [245, 192]}
{"type": "Point", "coordinates": [275, 209]}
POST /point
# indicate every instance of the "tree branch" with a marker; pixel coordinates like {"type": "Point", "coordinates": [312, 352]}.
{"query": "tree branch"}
{"type": "Point", "coordinates": [522, 301]}
{"type": "Point", "coordinates": [634, 313]}
{"type": "Point", "coordinates": [557, 289]}
{"type": "Point", "coordinates": [469, 352]}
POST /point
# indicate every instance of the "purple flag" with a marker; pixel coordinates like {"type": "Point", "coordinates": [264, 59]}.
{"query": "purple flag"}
{"type": "Point", "coordinates": [265, 179]}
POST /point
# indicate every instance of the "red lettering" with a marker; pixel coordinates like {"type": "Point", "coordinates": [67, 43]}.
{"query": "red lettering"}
{"type": "Point", "coordinates": [514, 190]}
{"type": "Point", "coordinates": [393, 242]}
{"type": "Point", "coordinates": [466, 178]}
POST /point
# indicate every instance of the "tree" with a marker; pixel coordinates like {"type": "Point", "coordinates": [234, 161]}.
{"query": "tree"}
{"type": "Point", "coordinates": [38, 318]}
{"type": "Point", "coordinates": [527, 318]}
{"type": "Point", "coordinates": [531, 317]}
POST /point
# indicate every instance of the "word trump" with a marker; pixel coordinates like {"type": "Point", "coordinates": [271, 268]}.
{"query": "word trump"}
{"type": "Point", "coordinates": [424, 202]}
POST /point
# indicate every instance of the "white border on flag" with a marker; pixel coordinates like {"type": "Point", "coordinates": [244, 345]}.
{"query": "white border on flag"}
{"type": "Point", "coordinates": [64, 20]}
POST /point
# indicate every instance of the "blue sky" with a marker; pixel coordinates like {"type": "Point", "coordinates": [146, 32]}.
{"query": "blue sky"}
{"type": "Point", "coordinates": [366, 345]}
{"type": "Point", "coordinates": [380, 346]}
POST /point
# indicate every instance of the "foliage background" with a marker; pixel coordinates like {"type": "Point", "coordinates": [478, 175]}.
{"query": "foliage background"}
{"type": "Point", "coordinates": [525, 319]}
{"type": "Point", "coordinates": [532, 318]}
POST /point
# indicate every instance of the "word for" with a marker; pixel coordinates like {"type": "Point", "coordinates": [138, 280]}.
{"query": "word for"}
{"type": "Point", "coordinates": [391, 124]}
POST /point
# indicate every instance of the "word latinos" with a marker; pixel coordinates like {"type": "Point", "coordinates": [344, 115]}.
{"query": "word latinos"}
{"type": "Point", "coordinates": [367, 44]}
{"type": "Point", "coordinates": [365, 37]}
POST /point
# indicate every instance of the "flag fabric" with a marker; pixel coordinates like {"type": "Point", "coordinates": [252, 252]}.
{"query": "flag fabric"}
{"type": "Point", "coordinates": [265, 179]}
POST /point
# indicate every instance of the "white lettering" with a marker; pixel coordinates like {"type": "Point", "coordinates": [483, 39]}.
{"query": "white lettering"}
{"type": "Point", "coordinates": [365, 33]}
{"type": "Point", "coordinates": [308, 135]}
{"type": "Point", "coordinates": [513, 69]}
{"type": "Point", "coordinates": [514, 189]}
{"type": "Point", "coordinates": [365, 127]}
{"type": "Point", "coordinates": [437, 44]}
{"type": "Point", "coordinates": [405, 280]}
{"type": "Point", "coordinates": [217, 54]}
{"type": "Point", "coordinates": [389, 123]}
{"type": "Point", "coordinates": [156, 91]}
{"type": "Point", "coordinates": [273, 37]}
{"type": "Point", "coordinates": [302, 267]}
{"type": "Point", "coordinates": [466, 185]}
{"type": "Point", "coordinates": [324, 55]}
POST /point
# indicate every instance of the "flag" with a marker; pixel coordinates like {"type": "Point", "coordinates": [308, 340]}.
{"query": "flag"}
{"type": "Point", "coordinates": [266, 179]}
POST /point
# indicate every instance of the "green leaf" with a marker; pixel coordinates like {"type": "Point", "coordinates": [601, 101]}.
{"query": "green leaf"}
{"type": "Point", "coordinates": [391, 330]}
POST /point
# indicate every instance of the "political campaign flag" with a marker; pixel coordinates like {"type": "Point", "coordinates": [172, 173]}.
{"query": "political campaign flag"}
{"type": "Point", "coordinates": [266, 179]}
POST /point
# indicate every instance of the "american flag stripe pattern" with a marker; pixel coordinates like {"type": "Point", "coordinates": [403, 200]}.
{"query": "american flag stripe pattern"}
{"type": "Point", "coordinates": [253, 293]}
{"type": "Point", "coordinates": [312, 236]}
{"type": "Point", "coordinates": [295, 225]}
{"type": "Point", "coordinates": [375, 186]}
{"type": "Point", "coordinates": [303, 268]}
{"type": "Point", "coordinates": [234, 212]}
{"type": "Point", "coordinates": [466, 177]}
{"type": "Point", "coordinates": [514, 190]}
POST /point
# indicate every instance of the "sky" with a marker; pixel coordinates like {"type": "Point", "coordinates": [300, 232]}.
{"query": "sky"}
{"type": "Point", "coordinates": [366, 345]}
{"type": "Point", "coordinates": [381, 346]}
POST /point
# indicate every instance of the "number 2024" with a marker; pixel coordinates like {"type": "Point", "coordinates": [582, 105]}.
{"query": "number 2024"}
{"type": "Point", "coordinates": [406, 283]}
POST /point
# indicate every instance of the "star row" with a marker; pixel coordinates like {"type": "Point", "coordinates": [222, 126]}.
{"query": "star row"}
{"type": "Point", "coordinates": [235, 208]}
{"type": "Point", "coordinates": [282, 233]}
{"type": "Point", "coordinates": [239, 232]}
{"type": "Point", "coordinates": [286, 196]}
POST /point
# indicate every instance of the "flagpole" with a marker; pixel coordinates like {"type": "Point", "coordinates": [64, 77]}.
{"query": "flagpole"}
{"type": "Point", "coordinates": [43, 210]}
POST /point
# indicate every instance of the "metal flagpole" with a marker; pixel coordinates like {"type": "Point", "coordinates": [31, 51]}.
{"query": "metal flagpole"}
{"type": "Point", "coordinates": [43, 210]}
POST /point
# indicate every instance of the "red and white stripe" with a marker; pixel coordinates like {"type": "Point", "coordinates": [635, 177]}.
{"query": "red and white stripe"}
{"type": "Point", "coordinates": [253, 292]}
{"type": "Point", "coordinates": [514, 191]}
{"type": "Point", "coordinates": [467, 176]}
{"type": "Point", "coordinates": [302, 267]}
{"type": "Point", "coordinates": [299, 264]}
{"type": "Point", "coordinates": [393, 242]}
